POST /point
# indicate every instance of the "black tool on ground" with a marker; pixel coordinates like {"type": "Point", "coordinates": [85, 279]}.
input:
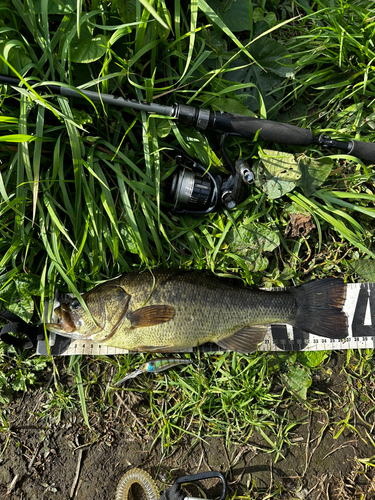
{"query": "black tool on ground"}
{"type": "Point", "coordinates": [194, 190]}
{"type": "Point", "coordinates": [175, 492]}
{"type": "Point", "coordinates": [15, 324]}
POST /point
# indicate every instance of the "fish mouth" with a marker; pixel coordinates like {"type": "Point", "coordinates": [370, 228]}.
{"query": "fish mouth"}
{"type": "Point", "coordinates": [65, 325]}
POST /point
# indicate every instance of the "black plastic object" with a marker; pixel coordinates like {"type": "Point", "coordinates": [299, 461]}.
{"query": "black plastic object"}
{"type": "Point", "coordinates": [364, 150]}
{"type": "Point", "coordinates": [270, 131]}
{"type": "Point", "coordinates": [204, 475]}
{"type": "Point", "coordinates": [18, 325]}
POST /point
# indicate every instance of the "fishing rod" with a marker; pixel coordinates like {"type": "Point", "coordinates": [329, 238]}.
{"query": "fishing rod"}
{"type": "Point", "coordinates": [193, 188]}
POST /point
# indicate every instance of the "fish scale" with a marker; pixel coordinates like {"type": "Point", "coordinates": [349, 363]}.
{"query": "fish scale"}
{"type": "Point", "coordinates": [165, 310]}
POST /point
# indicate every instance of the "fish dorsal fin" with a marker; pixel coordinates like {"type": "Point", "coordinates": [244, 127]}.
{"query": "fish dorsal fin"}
{"type": "Point", "coordinates": [151, 315]}
{"type": "Point", "coordinates": [245, 340]}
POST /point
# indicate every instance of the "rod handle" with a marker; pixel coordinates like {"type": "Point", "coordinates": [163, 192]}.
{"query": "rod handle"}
{"type": "Point", "coordinates": [363, 150]}
{"type": "Point", "coordinates": [270, 131]}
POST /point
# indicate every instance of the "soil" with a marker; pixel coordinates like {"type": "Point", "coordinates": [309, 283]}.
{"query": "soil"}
{"type": "Point", "coordinates": [45, 459]}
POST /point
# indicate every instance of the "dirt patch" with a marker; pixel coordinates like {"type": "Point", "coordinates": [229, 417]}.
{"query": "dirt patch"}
{"type": "Point", "coordinates": [45, 460]}
{"type": "Point", "coordinates": [299, 225]}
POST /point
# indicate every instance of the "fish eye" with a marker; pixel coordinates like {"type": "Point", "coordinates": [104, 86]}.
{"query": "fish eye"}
{"type": "Point", "coordinates": [74, 304]}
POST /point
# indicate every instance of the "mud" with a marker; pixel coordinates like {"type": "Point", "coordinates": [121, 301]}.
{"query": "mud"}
{"type": "Point", "coordinates": [43, 458]}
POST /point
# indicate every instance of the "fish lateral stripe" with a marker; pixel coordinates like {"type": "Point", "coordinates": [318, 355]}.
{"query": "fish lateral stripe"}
{"type": "Point", "coordinates": [161, 349]}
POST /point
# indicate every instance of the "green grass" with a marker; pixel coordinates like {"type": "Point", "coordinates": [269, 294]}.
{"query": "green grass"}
{"type": "Point", "coordinates": [81, 185]}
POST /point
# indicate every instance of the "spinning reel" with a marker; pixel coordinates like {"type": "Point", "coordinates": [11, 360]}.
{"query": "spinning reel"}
{"type": "Point", "coordinates": [196, 191]}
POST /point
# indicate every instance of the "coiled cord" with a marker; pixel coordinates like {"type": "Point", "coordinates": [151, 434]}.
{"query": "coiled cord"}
{"type": "Point", "coordinates": [143, 479]}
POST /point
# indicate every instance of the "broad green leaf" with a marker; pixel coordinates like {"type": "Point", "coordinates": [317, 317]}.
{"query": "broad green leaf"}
{"type": "Point", "coordinates": [127, 10]}
{"type": "Point", "coordinates": [81, 117]}
{"type": "Point", "coordinates": [365, 268]}
{"type": "Point", "coordinates": [297, 380]}
{"type": "Point", "coordinates": [276, 173]}
{"type": "Point", "coordinates": [249, 241]}
{"type": "Point", "coordinates": [272, 67]}
{"type": "Point", "coordinates": [17, 295]}
{"type": "Point", "coordinates": [21, 380]}
{"type": "Point", "coordinates": [235, 14]}
{"type": "Point", "coordinates": [163, 127]}
{"type": "Point", "coordinates": [280, 361]}
{"type": "Point", "coordinates": [280, 164]}
{"type": "Point", "coordinates": [314, 173]}
{"type": "Point", "coordinates": [272, 56]}
{"type": "Point", "coordinates": [253, 237]}
{"type": "Point", "coordinates": [231, 106]}
{"type": "Point", "coordinates": [276, 187]}
{"type": "Point", "coordinates": [267, 81]}
{"type": "Point", "coordinates": [270, 17]}
{"type": "Point", "coordinates": [311, 359]}
{"type": "Point", "coordinates": [86, 50]}
{"type": "Point", "coordinates": [215, 18]}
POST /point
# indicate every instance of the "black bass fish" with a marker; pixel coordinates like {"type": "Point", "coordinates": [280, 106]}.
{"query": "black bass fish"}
{"type": "Point", "coordinates": [167, 310]}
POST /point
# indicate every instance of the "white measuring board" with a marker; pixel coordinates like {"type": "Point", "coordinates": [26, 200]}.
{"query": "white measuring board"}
{"type": "Point", "coordinates": [359, 307]}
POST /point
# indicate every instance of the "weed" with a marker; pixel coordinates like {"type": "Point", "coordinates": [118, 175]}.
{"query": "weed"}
{"type": "Point", "coordinates": [83, 199]}
{"type": "Point", "coordinates": [58, 401]}
{"type": "Point", "coordinates": [18, 371]}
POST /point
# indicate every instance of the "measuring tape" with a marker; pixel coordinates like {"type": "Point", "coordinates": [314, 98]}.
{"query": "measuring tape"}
{"type": "Point", "coordinates": [359, 307]}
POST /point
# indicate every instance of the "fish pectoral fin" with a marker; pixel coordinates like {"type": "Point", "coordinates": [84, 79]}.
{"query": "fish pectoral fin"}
{"type": "Point", "coordinates": [245, 340]}
{"type": "Point", "coordinates": [151, 315]}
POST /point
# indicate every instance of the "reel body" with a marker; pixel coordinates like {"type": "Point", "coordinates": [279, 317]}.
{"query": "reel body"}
{"type": "Point", "coordinates": [195, 190]}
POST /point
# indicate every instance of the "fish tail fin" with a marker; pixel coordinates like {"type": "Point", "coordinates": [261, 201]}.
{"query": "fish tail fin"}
{"type": "Point", "coordinates": [319, 308]}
